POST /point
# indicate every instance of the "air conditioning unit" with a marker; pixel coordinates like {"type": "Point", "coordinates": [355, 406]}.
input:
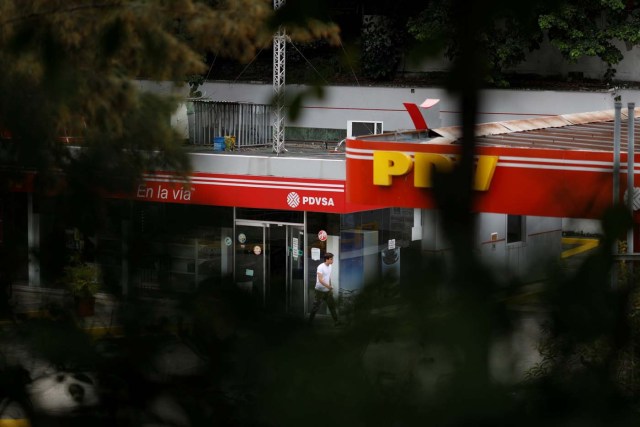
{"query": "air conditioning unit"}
{"type": "Point", "coordinates": [359, 128]}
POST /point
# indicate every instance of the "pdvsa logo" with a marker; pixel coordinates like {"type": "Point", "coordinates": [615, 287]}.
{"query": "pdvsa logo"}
{"type": "Point", "coordinates": [294, 200]}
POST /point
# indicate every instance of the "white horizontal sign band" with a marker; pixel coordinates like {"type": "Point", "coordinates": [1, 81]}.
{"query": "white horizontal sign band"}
{"type": "Point", "coordinates": [247, 182]}
{"type": "Point", "coordinates": [535, 163]}
{"type": "Point", "coordinates": [238, 184]}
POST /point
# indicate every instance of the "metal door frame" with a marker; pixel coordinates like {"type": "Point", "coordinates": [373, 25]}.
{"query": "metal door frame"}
{"type": "Point", "coordinates": [290, 235]}
{"type": "Point", "coordinates": [265, 225]}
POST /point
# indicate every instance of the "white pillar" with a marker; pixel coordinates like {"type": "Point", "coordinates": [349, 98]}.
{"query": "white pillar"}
{"type": "Point", "coordinates": [416, 230]}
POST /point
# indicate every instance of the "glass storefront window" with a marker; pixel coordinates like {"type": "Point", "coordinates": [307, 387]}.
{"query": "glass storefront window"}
{"type": "Point", "coordinates": [371, 244]}
{"type": "Point", "coordinates": [14, 248]}
{"type": "Point", "coordinates": [367, 246]}
{"type": "Point", "coordinates": [323, 235]}
{"type": "Point", "coordinates": [169, 247]}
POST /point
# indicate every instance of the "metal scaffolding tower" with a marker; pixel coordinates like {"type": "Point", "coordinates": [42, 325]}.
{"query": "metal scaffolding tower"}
{"type": "Point", "coordinates": [279, 51]}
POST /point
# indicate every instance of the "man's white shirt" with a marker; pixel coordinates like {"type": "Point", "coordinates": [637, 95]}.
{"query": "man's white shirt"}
{"type": "Point", "coordinates": [325, 271]}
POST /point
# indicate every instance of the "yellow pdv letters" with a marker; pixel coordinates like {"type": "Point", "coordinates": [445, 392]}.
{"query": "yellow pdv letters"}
{"type": "Point", "coordinates": [387, 164]}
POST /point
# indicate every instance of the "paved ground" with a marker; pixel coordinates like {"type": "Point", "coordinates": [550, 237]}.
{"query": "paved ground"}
{"type": "Point", "coordinates": [29, 302]}
{"type": "Point", "coordinates": [510, 357]}
{"type": "Point", "coordinates": [576, 249]}
{"type": "Point", "coordinates": [33, 302]}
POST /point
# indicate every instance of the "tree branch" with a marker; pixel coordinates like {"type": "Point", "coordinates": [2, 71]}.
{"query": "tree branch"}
{"type": "Point", "coordinates": [69, 9]}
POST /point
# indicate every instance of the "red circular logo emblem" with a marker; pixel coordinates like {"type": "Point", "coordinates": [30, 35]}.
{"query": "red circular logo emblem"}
{"type": "Point", "coordinates": [322, 235]}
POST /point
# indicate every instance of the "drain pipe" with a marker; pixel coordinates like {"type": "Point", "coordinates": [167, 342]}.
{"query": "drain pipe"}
{"type": "Point", "coordinates": [630, 175]}
{"type": "Point", "coordinates": [616, 179]}
{"type": "Point", "coordinates": [616, 153]}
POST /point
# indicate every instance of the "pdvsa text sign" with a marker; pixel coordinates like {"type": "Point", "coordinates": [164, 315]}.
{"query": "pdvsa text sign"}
{"type": "Point", "coordinates": [519, 181]}
{"type": "Point", "coordinates": [264, 192]}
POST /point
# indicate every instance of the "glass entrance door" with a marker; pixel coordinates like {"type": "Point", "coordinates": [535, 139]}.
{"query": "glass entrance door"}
{"type": "Point", "coordinates": [295, 268]}
{"type": "Point", "coordinates": [249, 260]}
{"type": "Point", "coordinates": [269, 264]}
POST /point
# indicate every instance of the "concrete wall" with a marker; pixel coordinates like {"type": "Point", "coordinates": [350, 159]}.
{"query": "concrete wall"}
{"type": "Point", "coordinates": [493, 253]}
{"type": "Point", "coordinates": [543, 245]}
{"type": "Point", "coordinates": [547, 61]}
{"type": "Point", "coordinates": [525, 260]}
{"type": "Point", "coordinates": [433, 237]}
{"type": "Point", "coordinates": [343, 103]}
{"type": "Point", "coordinates": [582, 226]}
{"type": "Point", "coordinates": [291, 166]}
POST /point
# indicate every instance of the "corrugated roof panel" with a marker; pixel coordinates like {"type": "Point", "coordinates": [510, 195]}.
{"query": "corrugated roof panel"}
{"type": "Point", "coordinates": [491, 129]}
{"type": "Point", "coordinates": [625, 110]}
{"type": "Point", "coordinates": [440, 140]}
{"type": "Point", "coordinates": [594, 116]}
{"type": "Point", "coordinates": [537, 123]}
{"type": "Point", "coordinates": [540, 144]}
{"type": "Point", "coordinates": [580, 131]}
{"type": "Point", "coordinates": [573, 136]}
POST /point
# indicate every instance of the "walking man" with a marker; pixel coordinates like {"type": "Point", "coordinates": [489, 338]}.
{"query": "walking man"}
{"type": "Point", "coordinates": [324, 289]}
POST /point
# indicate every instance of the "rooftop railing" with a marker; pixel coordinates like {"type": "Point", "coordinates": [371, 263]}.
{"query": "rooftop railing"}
{"type": "Point", "coordinates": [250, 124]}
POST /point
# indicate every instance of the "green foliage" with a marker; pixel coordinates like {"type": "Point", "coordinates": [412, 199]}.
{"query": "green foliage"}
{"type": "Point", "coordinates": [588, 28]}
{"type": "Point", "coordinates": [589, 344]}
{"type": "Point", "coordinates": [415, 353]}
{"type": "Point", "coordinates": [82, 280]}
{"type": "Point", "coordinates": [195, 81]}
{"type": "Point", "coordinates": [504, 40]}
{"type": "Point", "coordinates": [382, 39]}
{"type": "Point", "coordinates": [69, 68]}
{"type": "Point", "coordinates": [576, 28]}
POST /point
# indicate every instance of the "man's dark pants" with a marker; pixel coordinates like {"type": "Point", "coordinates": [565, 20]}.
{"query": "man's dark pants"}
{"type": "Point", "coordinates": [327, 297]}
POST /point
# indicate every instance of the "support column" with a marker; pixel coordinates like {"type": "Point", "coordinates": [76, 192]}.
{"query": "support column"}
{"type": "Point", "coordinates": [616, 152]}
{"type": "Point", "coordinates": [126, 226]}
{"type": "Point", "coordinates": [33, 242]}
{"type": "Point", "coordinates": [416, 230]}
{"type": "Point", "coordinates": [617, 124]}
{"type": "Point", "coordinates": [630, 174]}
{"type": "Point", "coordinates": [279, 59]}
